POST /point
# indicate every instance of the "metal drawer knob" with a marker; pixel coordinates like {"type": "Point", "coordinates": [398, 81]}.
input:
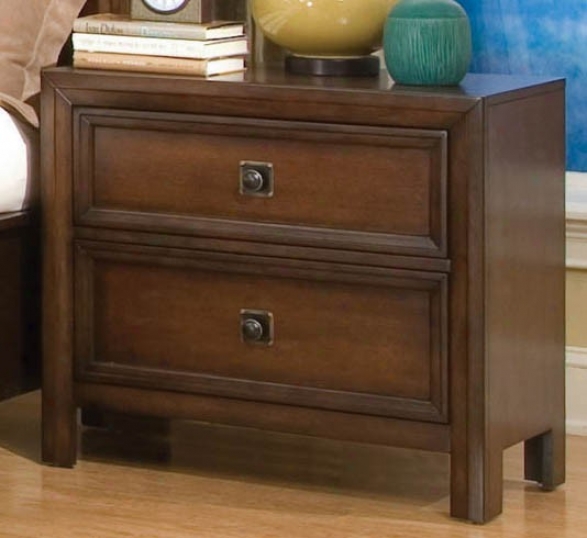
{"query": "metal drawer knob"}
{"type": "Point", "coordinates": [252, 330]}
{"type": "Point", "coordinates": [252, 180]}
{"type": "Point", "coordinates": [257, 327]}
{"type": "Point", "coordinates": [256, 179]}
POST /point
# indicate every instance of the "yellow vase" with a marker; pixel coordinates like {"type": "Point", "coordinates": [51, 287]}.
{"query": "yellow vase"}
{"type": "Point", "coordinates": [323, 28]}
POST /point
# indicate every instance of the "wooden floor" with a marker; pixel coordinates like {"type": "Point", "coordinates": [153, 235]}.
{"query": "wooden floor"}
{"type": "Point", "coordinates": [200, 480]}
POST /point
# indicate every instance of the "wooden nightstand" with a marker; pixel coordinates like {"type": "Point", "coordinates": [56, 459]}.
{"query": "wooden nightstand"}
{"type": "Point", "coordinates": [329, 257]}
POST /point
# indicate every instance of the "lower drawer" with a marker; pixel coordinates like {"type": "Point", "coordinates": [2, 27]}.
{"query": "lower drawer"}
{"type": "Point", "coordinates": [322, 335]}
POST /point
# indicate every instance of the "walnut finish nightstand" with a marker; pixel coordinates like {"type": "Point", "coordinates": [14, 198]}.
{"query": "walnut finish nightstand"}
{"type": "Point", "coordinates": [332, 257]}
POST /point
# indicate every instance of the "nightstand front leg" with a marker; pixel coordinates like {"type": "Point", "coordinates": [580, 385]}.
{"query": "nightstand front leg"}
{"type": "Point", "coordinates": [477, 488]}
{"type": "Point", "coordinates": [59, 429]}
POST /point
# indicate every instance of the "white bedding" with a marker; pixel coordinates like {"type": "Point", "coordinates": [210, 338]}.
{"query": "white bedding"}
{"type": "Point", "coordinates": [14, 164]}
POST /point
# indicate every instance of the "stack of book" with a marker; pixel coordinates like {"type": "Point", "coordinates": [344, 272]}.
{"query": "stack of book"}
{"type": "Point", "coordinates": [112, 41]}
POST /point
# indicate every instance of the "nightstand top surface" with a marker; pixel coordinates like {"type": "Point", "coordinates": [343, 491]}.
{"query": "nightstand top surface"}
{"type": "Point", "coordinates": [473, 87]}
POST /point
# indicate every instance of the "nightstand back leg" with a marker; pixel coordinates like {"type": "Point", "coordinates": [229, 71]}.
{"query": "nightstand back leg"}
{"type": "Point", "coordinates": [544, 459]}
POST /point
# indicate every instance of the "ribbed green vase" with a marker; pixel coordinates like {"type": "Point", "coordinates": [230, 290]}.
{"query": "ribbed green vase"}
{"type": "Point", "coordinates": [427, 42]}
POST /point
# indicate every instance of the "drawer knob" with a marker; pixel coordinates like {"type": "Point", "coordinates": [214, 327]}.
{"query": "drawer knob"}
{"type": "Point", "coordinates": [252, 330]}
{"type": "Point", "coordinates": [256, 179]}
{"type": "Point", "coordinates": [257, 327]}
{"type": "Point", "coordinates": [252, 180]}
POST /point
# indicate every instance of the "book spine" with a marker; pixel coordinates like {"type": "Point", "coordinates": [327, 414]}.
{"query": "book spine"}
{"type": "Point", "coordinates": [157, 64]}
{"type": "Point", "coordinates": [180, 48]}
{"type": "Point", "coordinates": [136, 28]}
{"type": "Point", "coordinates": [151, 64]}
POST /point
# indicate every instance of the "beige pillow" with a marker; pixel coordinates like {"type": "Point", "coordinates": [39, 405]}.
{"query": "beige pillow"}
{"type": "Point", "coordinates": [32, 33]}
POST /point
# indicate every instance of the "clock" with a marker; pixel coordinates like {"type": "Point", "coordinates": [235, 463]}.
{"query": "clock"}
{"type": "Point", "coordinates": [194, 11]}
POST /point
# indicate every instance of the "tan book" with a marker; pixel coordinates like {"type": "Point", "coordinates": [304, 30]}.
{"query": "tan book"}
{"type": "Point", "coordinates": [158, 64]}
{"type": "Point", "coordinates": [159, 46]}
{"type": "Point", "coordinates": [116, 24]}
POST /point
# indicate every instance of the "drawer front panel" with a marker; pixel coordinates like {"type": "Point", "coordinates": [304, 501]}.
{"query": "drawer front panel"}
{"type": "Point", "coordinates": [341, 338]}
{"type": "Point", "coordinates": [335, 185]}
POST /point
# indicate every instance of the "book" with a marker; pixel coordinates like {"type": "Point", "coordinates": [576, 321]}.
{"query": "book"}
{"type": "Point", "coordinates": [159, 46]}
{"type": "Point", "coordinates": [158, 64]}
{"type": "Point", "coordinates": [115, 24]}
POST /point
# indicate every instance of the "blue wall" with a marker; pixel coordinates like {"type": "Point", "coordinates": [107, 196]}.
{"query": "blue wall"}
{"type": "Point", "coordinates": [542, 37]}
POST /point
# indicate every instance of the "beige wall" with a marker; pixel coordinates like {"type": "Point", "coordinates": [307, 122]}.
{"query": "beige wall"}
{"type": "Point", "coordinates": [577, 308]}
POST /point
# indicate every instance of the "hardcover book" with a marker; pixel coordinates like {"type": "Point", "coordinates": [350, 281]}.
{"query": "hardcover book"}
{"type": "Point", "coordinates": [158, 64]}
{"type": "Point", "coordinates": [158, 46]}
{"type": "Point", "coordinates": [116, 24]}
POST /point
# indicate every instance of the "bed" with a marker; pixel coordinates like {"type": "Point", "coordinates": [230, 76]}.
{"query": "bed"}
{"type": "Point", "coordinates": [15, 173]}
{"type": "Point", "coordinates": [32, 36]}
{"type": "Point", "coordinates": [19, 257]}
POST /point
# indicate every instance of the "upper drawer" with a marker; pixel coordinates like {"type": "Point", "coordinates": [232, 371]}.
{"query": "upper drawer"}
{"type": "Point", "coordinates": [338, 186]}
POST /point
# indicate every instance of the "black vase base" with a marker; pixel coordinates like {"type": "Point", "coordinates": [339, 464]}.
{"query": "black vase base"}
{"type": "Point", "coordinates": [355, 66]}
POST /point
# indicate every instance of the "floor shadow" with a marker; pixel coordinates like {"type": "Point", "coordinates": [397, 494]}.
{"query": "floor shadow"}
{"type": "Point", "coordinates": [20, 425]}
{"type": "Point", "coordinates": [415, 477]}
{"type": "Point", "coordinates": [409, 476]}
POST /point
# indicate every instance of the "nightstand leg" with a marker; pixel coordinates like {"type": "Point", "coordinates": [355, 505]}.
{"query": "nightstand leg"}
{"type": "Point", "coordinates": [544, 459]}
{"type": "Point", "coordinates": [59, 442]}
{"type": "Point", "coordinates": [477, 487]}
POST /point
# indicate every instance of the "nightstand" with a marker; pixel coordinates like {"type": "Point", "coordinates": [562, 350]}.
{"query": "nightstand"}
{"type": "Point", "coordinates": [332, 257]}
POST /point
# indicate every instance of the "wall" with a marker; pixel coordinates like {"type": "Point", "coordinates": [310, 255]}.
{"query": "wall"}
{"type": "Point", "coordinates": [539, 37]}
{"type": "Point", "coordinates": [577, 303]}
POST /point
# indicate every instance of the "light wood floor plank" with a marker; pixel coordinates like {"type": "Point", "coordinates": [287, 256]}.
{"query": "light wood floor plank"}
{"type": "Point", "coordinates": [202, 480]}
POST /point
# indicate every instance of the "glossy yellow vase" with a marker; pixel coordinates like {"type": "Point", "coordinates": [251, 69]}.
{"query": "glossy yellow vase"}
{"type": "Point", "coordinates": [328, 28]}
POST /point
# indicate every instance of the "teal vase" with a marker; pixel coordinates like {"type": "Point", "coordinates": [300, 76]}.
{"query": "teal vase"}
{"type": "Point", "coordinates": [427, 42]}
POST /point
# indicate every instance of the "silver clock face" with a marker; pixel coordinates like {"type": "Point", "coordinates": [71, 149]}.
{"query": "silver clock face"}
{"type": "Point", "coordinates": [165, 6]}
